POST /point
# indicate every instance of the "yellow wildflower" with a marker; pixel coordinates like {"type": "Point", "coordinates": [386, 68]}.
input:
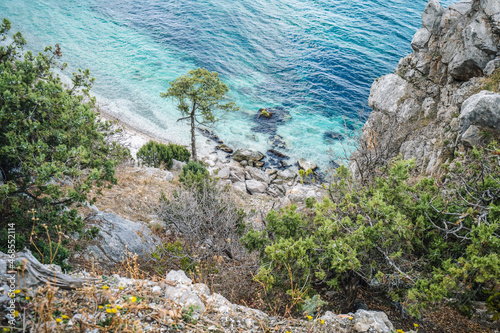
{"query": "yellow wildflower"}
{"type": "Point", "coordinates": [108, 305]}
{"type": "Point", "coordinates": [118, 307]}
{"type": "Point", "coordinates": [58, 320]}
{"type": "Point", "coordinates": [17, 291]}
{"type": "Point", "coordinates": [100, 306]}
{"type": "Point", "coordinates": [65, 317]}
{"type": "Point", "coordinates": [133, 299]}
{"type": "Point", "coordinates": [105, 287]}
{"type": "Point", "coordinates": [108, 310]}
{"type": "Point", "coordinates": [28, 298]}
{"type": "Point", "coordinates": [16, 313]}
{"type": "Point", "coordinates": [351, 318]}
{"type": "Point", "coordinates": [309, 317]}
{"type": "Point", "coordinates": [416, 325]}
{"type": "Point", "coordinates": [113, 310]}
{"type": "Point", "coordinates": [120, 287]}
{"type": "Point", "coordinates": [322, 322]}
{"type": "Point", "coordinates": [400, 331]}
{"type": "Point", "coordinates": [6, 329]}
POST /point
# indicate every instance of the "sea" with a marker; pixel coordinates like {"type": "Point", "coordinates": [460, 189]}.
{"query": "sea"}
{"type": "Point", "coordinates": [309, 62]}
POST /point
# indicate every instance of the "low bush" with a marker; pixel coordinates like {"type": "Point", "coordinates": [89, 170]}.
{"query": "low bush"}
{"type": "Point", "coordinates": [417, 242]}
{"type": "Point", "coordinates": [155, 154]}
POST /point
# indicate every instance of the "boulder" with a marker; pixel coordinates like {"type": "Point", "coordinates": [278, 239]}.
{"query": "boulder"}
{"type": "Point", "coordinates": [185, 297]}
{"type": "Point", "coordinates": [225, 148]}
{"type": "Point", "coordinates": [386, 92]}
{"type": "Point", "coordinates": [177, 165]}
{"type": "Point", "coordinates": [254, 186]}
{"type": "Point", "coordinates": [117, 236]}
{"type": "Point", "coordinates": [481, 109]}
{"type": "Point", "coordinates": [420, 39]}
{"type": "Point", "coordinates": [257, 174]}
{"type": "Point", "coordinates": [224, 173]}
{"type": "Point", "coordinates": [237, 174]}
{"type": "Point", "coordinates": [432, 15]}
{"type": "Point", "coordinates": [247, 155]}
{"type": "Point", "coordinates": [491, 66]}
{"type": "Point", "coordinates": [179, 277]}
{"type": "Point", "coordinates": [240, 186]}
{"type": "Point", "coordinates": [299, 193]}
{"type": "Point", "coordinates": [472, 136]}
{"type": "Point", "coordinates": [372, 321]}
{"type": "Point", "coordinates": [306, 165]}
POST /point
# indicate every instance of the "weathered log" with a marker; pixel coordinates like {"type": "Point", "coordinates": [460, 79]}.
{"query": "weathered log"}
{"type": "Point", "coordinates": [32, 272]}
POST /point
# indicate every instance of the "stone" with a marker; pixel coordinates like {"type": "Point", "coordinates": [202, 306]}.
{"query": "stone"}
{"type": "Point", "coordinates": [257, 174]}
{"type": "Point", "coordinates": [224, 173]}
{"type": "Point", "coordinates": [225, 148]}
{"type": "Point", "coordinates": [306, 165]}
{"type": "Point", "coordinates": [177, 165]}
{"type": "Point", "coordinates": [185, 297]}
{"type": "Point", "coordinates": [491, 66]}
{"type": "Point", "coordinates": [481, 109]}
{"type": "Point", "coordinates": [179, 277]}
{"type": "Point", "coordinates": [330, 318]}
{"type": "Point", "coordinates": [299, 193]}
{"type": "Point", "coordinates": [276, 190]}
{"type": "Point", "coordinates": [168, 176]}
{"type": "Point", "coordinates": [237, 174]}
{"type": "Point", "coordinates": [247, 155]}
{"type": "Point", "coordinates": [117, 236]}
{"type": "Point", "coordinates": [472, 137]}
{"type": "Point", "coordinates": [386, 92]}
{"type": "Point", "coordinates": [240, 186]}
{"type": "Point", "coordinates": [420, 39]}
{"type": "Point", "coordinates": [431, 17]}
{"type": "Point", "coordinates": [372, 321]}
{"type": "Point", "coordinates": [254, 186]}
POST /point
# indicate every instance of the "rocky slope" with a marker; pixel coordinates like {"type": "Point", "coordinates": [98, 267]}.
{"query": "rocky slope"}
{"type": "Point", "coordinates": [435, 103]}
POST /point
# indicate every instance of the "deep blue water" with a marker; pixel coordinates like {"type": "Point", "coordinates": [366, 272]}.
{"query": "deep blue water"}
{"type": "Point", "coordinates": [314, 58]}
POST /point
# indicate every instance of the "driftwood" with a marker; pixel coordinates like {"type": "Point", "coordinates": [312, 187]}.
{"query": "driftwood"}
{"type": "Point", "coordinates": [32, 271]}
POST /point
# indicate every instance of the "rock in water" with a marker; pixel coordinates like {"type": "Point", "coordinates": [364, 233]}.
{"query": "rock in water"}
{"type": "Point", "coordinates": [306, 165]}
{"type": "Point", "coordinates": [247, 155]}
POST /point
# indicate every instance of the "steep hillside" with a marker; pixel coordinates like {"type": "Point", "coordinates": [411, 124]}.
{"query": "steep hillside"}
{"type": "Point", "coordinates": [444, 96]}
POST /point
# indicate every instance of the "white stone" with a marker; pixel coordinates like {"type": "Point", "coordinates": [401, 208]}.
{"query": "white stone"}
{"type": "Point", "coordinates": [254, 186]}
{"type": "Point", "coordinates": [420, 39]}
{"type": "Point", "coordinates": [179, 277]}
{"type": "Point", "coordinates": [386, 92]}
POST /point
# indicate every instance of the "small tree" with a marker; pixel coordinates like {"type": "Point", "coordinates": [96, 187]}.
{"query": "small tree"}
{"type": "Point", "coordinates": [197, 95]}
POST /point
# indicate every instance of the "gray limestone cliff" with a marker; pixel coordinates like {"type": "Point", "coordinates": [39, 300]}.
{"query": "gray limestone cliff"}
{"type": "Point", "coordinates": [444, 96]}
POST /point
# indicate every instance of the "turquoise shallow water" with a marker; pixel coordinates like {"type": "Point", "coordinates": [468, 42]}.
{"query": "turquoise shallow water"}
{"type": "Point", "coordinates": [313, 59]}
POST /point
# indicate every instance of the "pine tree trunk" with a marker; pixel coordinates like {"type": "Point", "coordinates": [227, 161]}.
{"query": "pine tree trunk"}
{"type": "Point", "coordinates": [193, 144]}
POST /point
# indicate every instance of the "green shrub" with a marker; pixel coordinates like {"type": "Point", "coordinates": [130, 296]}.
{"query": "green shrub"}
{"type": "Point", "coordinates": [54, 150]}
{"type": "Point", "coordinates": [155, 154]}
{"type": "Point", "coordinates": [179, 153]}
{"type": "Point", "coordinates": [417, 242]}
{"type": "Point", "coordinates": [193, 172]}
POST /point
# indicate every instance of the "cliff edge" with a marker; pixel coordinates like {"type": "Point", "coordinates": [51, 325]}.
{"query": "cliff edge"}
{"type": "Point", "coordinates": [444, 96]}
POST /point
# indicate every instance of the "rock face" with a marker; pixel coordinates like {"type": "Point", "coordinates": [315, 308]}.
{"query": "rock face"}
{"type": "Point", "coordinates": [116, 236]}
{"type": "Point", "coordinates": [424, 108]}
{"type": "Point", "coordinates": [251, 156]}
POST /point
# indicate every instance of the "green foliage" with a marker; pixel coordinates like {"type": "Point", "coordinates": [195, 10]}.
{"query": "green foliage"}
{"type": "Point", "coordinates": [197, 95]}
{"type": "Point", "coordinates": [417, 242]}
{"type": "Point", "coordinates": [91, 233]}
{"type": "Point", "coordinates": [53, 148]}
{"type": "Point", "coordinates": [155, 154]}
{"type": "Point", "coordinates": [193, 173]}
{"type": "Point", "coordinates": [313, 305]}
{"type": "Point", "coordinates": [179, 153]}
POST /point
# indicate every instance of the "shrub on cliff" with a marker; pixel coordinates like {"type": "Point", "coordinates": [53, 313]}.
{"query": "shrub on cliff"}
{"type": "Point", "coordinates": [54, 150]}
{"type": "Point", "coordinates": [156, 154]}
{"type": "Point", "coordinates": [418, 242]}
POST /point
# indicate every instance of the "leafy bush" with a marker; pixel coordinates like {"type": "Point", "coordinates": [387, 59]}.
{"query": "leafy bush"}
{"type": "Point", "coordinates": [155, 154]}
{"type": "Point", "coordinates": [419, 242]}
{"type": "Point", "coordinates": [192, 173]}
{"type": "Point", "coordinates": [53, 148]}
{"type": "Point", "coordinates": [179, 153]}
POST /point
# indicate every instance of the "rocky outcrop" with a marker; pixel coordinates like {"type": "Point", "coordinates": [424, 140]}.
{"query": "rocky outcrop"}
{"type": "Point", "coordinates": [117, 237]}
{"type": "Point", "coordinates": [426, 108]}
